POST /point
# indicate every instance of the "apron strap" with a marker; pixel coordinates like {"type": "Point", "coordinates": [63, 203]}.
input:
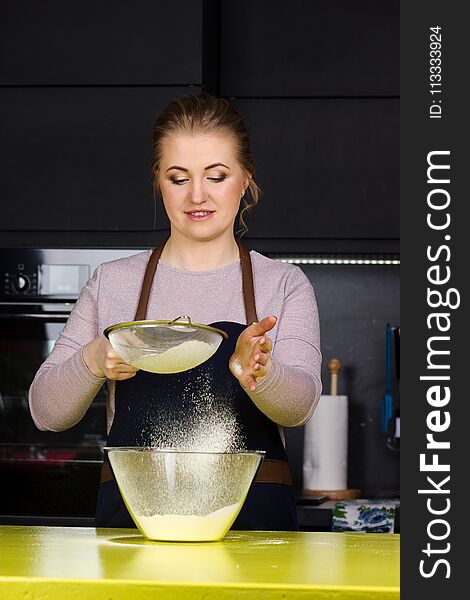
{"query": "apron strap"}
{"type": "Point", "coordinates": [247, 283]}
{"type": "Point", "coordinates": [141, 311]}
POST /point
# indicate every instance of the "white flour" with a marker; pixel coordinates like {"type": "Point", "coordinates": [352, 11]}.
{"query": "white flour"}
{"type": "Point", "coordinates": [176, 359]}
{"type": "Point", "coordinates": [190, 528]}
{"type": "Point", "coordinates": [211, 427]}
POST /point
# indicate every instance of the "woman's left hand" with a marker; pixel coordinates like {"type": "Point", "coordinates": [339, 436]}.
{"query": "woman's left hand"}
{"type": "Point", "coordinates": [252, 357]}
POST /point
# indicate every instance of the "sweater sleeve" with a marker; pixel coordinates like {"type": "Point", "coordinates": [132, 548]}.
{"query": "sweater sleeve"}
{"type": "Point", "coordinates": [64, 387]}
{"type": "Point", "coordinates": [290, 392]}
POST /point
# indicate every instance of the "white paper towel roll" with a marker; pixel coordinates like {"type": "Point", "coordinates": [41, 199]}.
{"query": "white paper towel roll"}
{"type": "Point", "coordinates": [325, 464]}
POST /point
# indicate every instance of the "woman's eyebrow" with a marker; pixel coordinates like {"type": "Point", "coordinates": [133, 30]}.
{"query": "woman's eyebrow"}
{"type": "Point", "coordinates": [176, 167]}
{"type": "Point", "coordinates": [218, 164]}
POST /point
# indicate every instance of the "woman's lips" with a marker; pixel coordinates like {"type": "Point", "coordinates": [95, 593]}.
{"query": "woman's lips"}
{"type": "Point", "coordinates": [200, 215]}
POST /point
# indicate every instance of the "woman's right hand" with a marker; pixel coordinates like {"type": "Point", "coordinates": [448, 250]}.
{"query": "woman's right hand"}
{"type": "Point", "coordinates": [102, 360]}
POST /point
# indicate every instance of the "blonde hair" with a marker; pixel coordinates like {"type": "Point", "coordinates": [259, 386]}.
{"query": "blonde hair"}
{"type": "Point", "coordinates": [203, 113]}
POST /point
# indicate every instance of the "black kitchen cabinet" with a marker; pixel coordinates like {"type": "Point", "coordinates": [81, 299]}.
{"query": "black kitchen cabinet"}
{"type": "Point", "coordinates": [110, 42]}
{"type": "Point", "coordinates": [81, 85]}
{"type": "Point", "coordinates": [310, 48]}
{"type": "Point", "coordinates": [78, 159]}
{"type": "Point", "coordinates": [327, 168]}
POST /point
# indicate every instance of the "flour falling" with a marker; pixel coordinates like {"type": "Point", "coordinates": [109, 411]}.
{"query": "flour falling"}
{"type": "Point", "coordinates": [206, 422]}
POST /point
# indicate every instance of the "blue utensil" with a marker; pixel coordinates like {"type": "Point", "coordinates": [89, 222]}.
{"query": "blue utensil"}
{"type": "Point", "coordinates": [387, 400]}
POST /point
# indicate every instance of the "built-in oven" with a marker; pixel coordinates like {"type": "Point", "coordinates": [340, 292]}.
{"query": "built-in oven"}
{"type": "Point", "coordinates": [45, 477]}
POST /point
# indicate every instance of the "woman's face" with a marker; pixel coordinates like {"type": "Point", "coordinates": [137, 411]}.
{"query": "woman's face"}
{"type": "Point", "coordinates": [201, 183]}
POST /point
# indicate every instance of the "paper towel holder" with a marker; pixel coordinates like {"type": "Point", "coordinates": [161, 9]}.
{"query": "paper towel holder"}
{"type": "Point", "coordinates": [334, 367]}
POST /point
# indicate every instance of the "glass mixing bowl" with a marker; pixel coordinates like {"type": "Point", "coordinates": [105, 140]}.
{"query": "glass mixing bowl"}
{"type": "Point", "coordinates": [183, 496]}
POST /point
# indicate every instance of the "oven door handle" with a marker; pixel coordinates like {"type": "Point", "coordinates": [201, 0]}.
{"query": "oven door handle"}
{"type": "Point", "coordinates": [41, 317]}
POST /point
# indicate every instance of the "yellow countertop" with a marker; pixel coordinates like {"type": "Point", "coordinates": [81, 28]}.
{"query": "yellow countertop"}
{"type": "Point", "coordinates": [104, 564]}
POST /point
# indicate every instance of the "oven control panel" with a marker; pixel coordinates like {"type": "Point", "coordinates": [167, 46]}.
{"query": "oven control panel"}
{"type": "Point", "coordinates": [46, 280]}
{"type": "Point", "coordinates": [20, 282]}
{"type": "Point", "coordinates": [51, 273]}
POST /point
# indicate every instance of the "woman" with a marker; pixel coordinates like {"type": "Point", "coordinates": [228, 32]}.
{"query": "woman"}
{"type": "Point", "coordinates": [203, 168]}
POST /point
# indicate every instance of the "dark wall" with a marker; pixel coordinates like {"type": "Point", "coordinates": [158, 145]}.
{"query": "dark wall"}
{"type": "Point", "coordinates": [318, 82]}
{"type": "Point", "coordinates": [355, 303]}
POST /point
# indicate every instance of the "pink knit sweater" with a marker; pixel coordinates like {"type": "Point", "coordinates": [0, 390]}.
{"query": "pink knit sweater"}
{"type": "Point", "coordinates": [64, 387]}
